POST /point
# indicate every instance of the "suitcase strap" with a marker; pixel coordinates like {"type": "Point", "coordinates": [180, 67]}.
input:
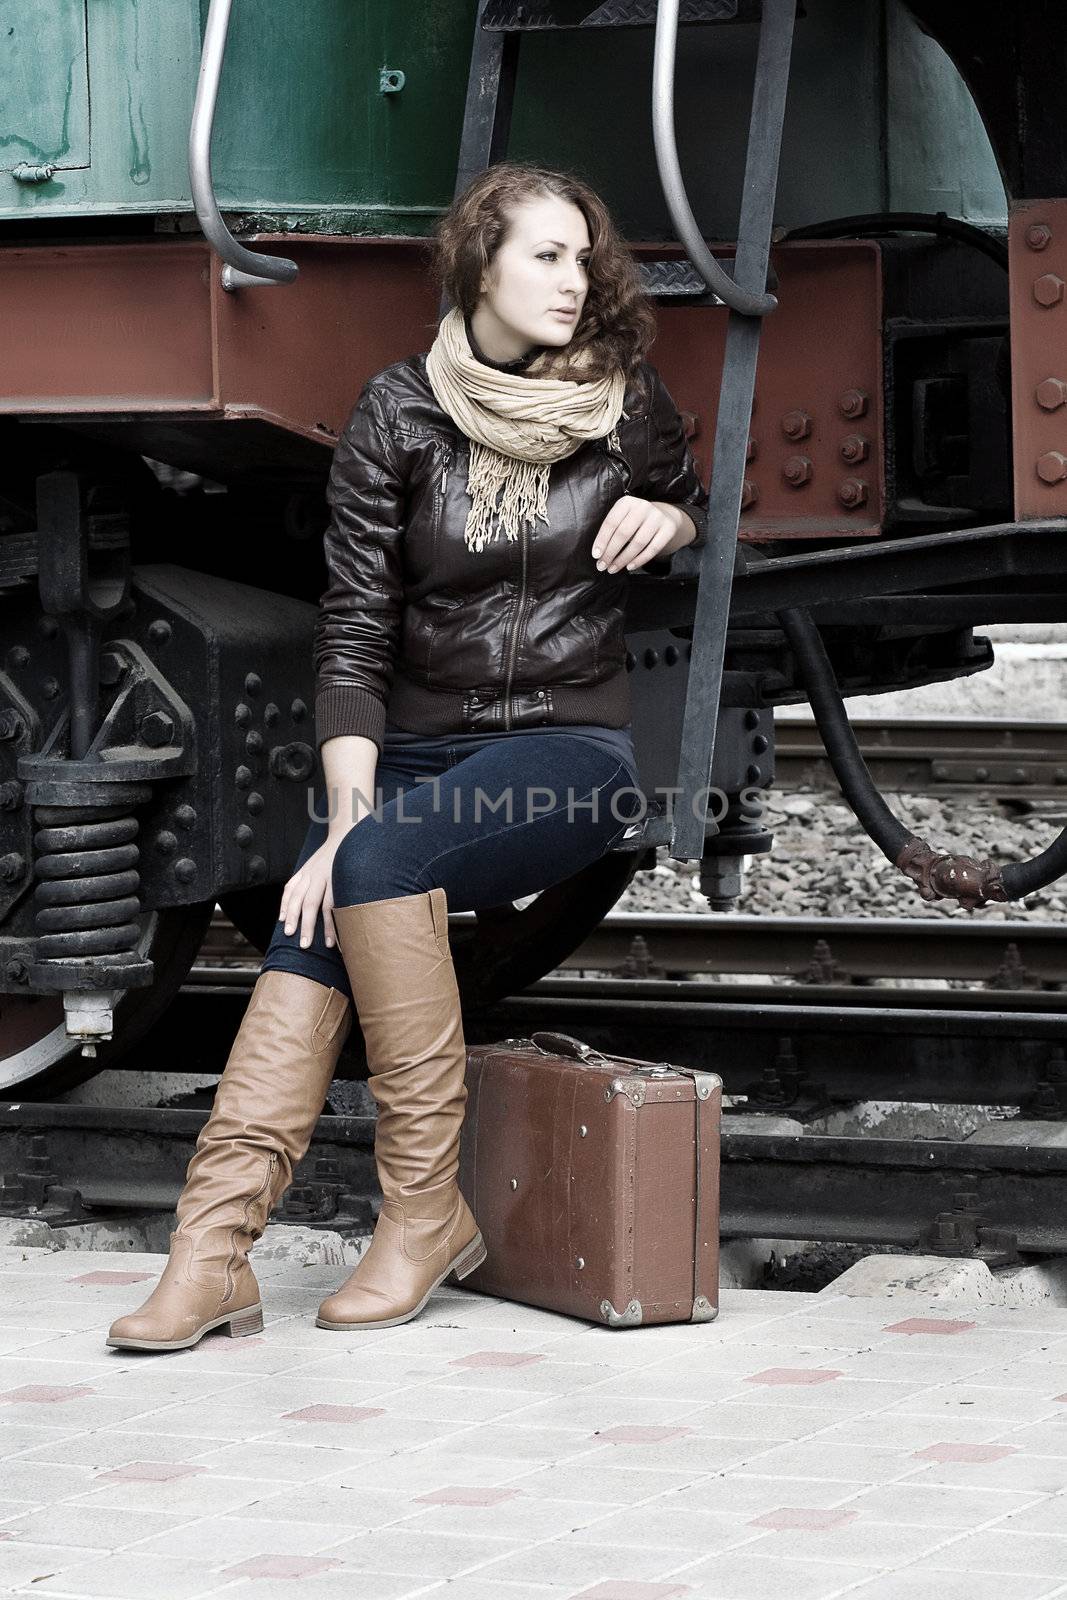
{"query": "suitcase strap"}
{"type": "Point", "coordinates": [566, 1044]}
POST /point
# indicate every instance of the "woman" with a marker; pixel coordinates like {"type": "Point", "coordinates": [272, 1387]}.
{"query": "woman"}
{"type": "Point", "coordinates": [470, 656]}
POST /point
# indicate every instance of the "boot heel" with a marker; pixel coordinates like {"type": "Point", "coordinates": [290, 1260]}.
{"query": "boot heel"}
{"type": "Point", "coordinates": [248, 1321]}
{"type": "Point", "coordinates": [472, 1257]}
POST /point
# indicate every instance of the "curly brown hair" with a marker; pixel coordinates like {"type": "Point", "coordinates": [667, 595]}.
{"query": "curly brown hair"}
{"type": "Point", "coordinates": [617, 324]}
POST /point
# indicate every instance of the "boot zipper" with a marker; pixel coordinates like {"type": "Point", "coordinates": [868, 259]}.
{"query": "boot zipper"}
{"type": "Point", "coordinates": [515, 632]}
{"type": "Point", "coordinates": [264, 1188]}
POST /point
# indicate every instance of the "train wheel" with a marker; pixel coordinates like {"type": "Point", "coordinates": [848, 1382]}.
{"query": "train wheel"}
{"type": "Point", "coordinates": [38, 1059]}
{"type": "Point", "coordinates": [509, 946]}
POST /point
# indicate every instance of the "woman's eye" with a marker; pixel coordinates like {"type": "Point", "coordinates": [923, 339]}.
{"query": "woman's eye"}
{"type": "Point", "coordinates": [546, 254]}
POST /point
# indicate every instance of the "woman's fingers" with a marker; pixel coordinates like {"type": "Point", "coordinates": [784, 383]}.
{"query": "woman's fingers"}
{"type": "Point", "coordinates": [327, 917]}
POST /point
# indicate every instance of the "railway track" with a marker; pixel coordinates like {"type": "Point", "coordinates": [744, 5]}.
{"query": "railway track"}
{"type": "Point", "coordinates": [1003, 758]}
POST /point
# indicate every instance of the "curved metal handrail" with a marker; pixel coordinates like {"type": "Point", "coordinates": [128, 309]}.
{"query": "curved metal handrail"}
{"type": "Point", "coordinates": [670, 173]}
{"type": "Point", "coordinates": [242, 268]}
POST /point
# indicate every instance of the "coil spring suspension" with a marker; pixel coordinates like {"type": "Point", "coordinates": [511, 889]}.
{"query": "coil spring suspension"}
{"type": "Point", "coordinates": [86, 897]}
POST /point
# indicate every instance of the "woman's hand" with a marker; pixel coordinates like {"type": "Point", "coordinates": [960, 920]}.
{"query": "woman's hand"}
{"type": "Point", "coordinates": [310, 888]}
{"type": "Point", "coordinates": [635, 531]}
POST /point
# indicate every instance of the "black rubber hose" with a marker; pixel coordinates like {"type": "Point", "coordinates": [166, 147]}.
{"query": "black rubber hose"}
{"type": "Point", "coordinates": [850, 769]}
{"type": "Point", "coordinates": [937, 876]}
{"type": "Point", "coordinates": [937, 222]}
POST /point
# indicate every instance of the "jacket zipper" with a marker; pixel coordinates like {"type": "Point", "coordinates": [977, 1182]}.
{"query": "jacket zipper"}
{"type": "Point", "coordinates": [515, 632]}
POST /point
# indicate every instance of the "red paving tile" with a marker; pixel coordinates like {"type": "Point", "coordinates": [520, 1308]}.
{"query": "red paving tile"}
{"type": "Point", "coordinates": [966, 1452]}
{"type": "Point", "coordinates": [329, 1413]}
{"type": "Point", "coordinates": [639, 1435]}
{"type": "Point", "coordinates": [929, 1325]}
{"type": "Point", "coordinates": [815, 1518]}
{"type": "Point", "coordinates": [793, 1375]}
{"type": "Point", "coordinates": [459, 1495]}
{"type": "Point", "coordinates": [46, 1393]}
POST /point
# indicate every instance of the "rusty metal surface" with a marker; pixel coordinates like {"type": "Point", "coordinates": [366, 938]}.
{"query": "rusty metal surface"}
{"type": "Point", "coordinates": [1037, 236]}
{"type": "Point", "coordinates": [816, 458]}
{"type": "Point", "coordinates": [146, 331]}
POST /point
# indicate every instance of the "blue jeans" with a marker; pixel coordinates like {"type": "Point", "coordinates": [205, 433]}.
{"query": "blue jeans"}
{"type": "Point", "coordinates": [507, 818]}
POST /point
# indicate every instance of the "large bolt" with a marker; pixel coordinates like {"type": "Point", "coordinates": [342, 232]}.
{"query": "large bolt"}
{"type": "Point", "coordinates": [853, 404]}
{"type": "Point", "coordinates": [796, 425]}
{"type": "Point", "coordinates": [157, 729]}
{"type": "Point", "coordinates": [797, 471]}
{"type": "Point", "coordinates": [1048, 290]}
{"type": "Point", "coordinates": [1038, 236]}
{"type": "Point", "coordinates": [1052, 468]}
{"type": "Point", "coordinates": [12, 868]}
{"type": "Point", "coordinates": [1051, 393]}
{"type": "Point", "coordinates": [749, 494]}
{"type": "Point", "coordinates": [852, 492]}
{"type": "Point", "coordinates": [112, 668]}
{"type": "Point", "coordinates": [855, 449]}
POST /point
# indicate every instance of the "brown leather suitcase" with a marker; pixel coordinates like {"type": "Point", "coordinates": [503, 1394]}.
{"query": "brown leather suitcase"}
{"type": "Point", "coordinates": [594, 1179]}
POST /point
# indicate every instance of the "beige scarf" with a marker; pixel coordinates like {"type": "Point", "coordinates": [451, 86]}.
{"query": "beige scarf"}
{"type": "Point", "coordinates": [517, 426]}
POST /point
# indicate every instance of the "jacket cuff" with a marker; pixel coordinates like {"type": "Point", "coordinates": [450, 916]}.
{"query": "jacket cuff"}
{"type": "Point", "coordinates": [345, 708]}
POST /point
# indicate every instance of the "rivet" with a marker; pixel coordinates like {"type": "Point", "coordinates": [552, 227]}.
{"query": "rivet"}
{"type": "Point", "coordinates": [751, 449]}
{"type": "Point", "coordinates": [18, 655]}
{"type": "Point", "coordinates": [853, 403]}
{"type": "Point", "coordinates": [1051, 393]}
{"type": "Point", "coordinates": [271, 714]}
{"type": "Point", "coordinates": [582, 1131]}
{"type": "Point", "coordinates": [243, 715]}
{"type": "Point", "coordinates": [257, 868]}
{"type": "Point", "coordinates": [242, 777]}
{"type": "Point", "coordinates": [166, 842]}
{"type": "Point", "coordinates": [50, 688]}
{"type": "Point", "coordinates": [796, 425]}
{"type": "Point", "coordinates": [749, 494]}
{"type": "Point", "coordinates": [759, 743]}
{"type": "Point", "coordinates": [185, 870]}
{"type": "Point", "coordinates": [253, 683]}
{"type": "Point", "coordinates": [579, 1262]}
{"type": "Point", "coordinates": [185, 817]}
{"type": "Point", "coordinates": [298, 710]}
{"type": "Point", "coordinates": [753, 774]}
{"type": "Point", "coordinates": [255, 803]}
{"type": "Point", "coordinates": [514, 1183]}
{"type": "Point", "coordinates": [1052, 468]}
{"type": "Point", "coordinates": [797, 471]}
{"type": "Point", "coordinates": [159, 631]}
{"type": "Point", "coordinates": [47, 627]}
{"type": "Point", "coordinates": [253, 742]}
{"type": "Point", "coordinates": [243, 836]}
{"type": "Point", "coordinates": [751, 719]}
{"type": "Point", "coordinates": [1048, 290]}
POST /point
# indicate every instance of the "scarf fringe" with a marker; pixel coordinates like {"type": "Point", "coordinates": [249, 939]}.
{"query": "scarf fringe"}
{"type": "Point", "coordinates": [504, 413]}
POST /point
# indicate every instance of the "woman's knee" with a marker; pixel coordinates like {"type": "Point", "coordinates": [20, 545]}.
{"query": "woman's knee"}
{"type": "Point", "coordinates": [367, 867]}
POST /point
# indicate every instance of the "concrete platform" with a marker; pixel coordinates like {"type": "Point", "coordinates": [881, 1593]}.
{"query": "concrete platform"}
{"type": "Point", "coordinates": [884, 1447]}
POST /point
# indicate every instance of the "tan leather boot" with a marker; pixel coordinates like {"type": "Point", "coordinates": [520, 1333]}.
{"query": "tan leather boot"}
{"type": "Point", "coordinates": [399, 964]}
{"type": "Point", "coordinates": [267, 1103]}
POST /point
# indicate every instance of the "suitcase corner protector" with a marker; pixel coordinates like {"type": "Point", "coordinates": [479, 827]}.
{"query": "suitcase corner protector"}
{"type": "Point", "coordinates": [630, 1318]}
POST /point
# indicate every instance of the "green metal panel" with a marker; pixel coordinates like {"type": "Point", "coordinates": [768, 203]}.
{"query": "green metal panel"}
{"type": "Point", "coordinates": [142, 62]}
{"type": "Point", "coordinates": [44, 84]}
{"type": "Point", "coordinates": [305, 128]}
{"type": "Point", "coordinates": [308, 137]}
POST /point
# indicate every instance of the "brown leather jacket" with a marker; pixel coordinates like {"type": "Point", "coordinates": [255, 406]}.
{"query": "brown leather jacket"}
{"type": "Point", "coordinates": [415, 627]}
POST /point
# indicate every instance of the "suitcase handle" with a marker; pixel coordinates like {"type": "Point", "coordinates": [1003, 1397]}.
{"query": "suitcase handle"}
{"type": "Point", "coordinates": [564, 1044]}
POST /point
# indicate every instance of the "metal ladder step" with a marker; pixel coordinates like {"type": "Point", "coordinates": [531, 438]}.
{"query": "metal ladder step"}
{"type": "Point", "coordinates": [539, 16]}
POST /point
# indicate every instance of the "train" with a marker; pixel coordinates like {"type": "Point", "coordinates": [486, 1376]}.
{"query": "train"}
{"type": "Point", "coordinates": [214, 228]}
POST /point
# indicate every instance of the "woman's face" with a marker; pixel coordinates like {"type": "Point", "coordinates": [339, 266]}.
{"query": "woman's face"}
{"type": "Point", "coordinates": [540, 269]}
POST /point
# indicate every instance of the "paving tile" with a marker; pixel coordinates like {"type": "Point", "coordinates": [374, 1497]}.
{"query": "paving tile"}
{"type": "Point", "coordinates": [337, 1584]}
{"type": "Point", "coordinates": [947, 1506]}
{"type": "Point", "coordinates": [857, 1540]}
{"type": "Point", "coordinates": [578, 1562]}
{"type": "Point", "coordinates": [110, 1447]}
{"type": "Point", "coordinates": [225, 1540]}
{"type": "Point", "coordinates": [200, 1496]}
{"type": "Point", "coordinates": [429, 1555]}
{"type": "Point", "coordinates": [132, 1575]}
{"type": "Point", "coordinates": [92, 1526]}
{"type": "Point", "coordinates": [924, 1580]}
{"type": "Point", "coordinates": [998, 1550]}
{"type": "Point", "coordinates": [40, 1482]}
{"type": "Point", "coordinates": [1045, 1474]}
{"type": "Point", "coordinates": [22, 1562]}
{"type": "Point", "coordinates": [740, 1575]}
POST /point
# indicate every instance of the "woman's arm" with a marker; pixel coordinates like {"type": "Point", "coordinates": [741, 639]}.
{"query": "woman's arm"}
{"type": "Point", "coordinates": [666, 505]}
{"type": "Point", "coordinates": [358, 628]}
